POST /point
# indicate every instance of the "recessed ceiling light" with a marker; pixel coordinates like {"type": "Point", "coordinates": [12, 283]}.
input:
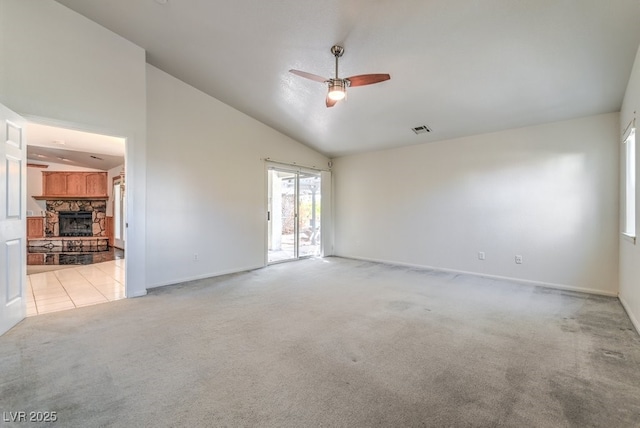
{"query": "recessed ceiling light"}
{"type": "Point", "coordinates": [162, 1]}
{"type": "Point", "coordinates": [41, 156]}
{"type": "Point", "coordinates": [61, 142]}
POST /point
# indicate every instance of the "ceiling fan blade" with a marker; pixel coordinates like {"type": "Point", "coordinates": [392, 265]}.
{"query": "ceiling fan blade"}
{"type": "Point", "coordinates": [310, 76]}
{"type": "Point", "coordinates": [330, 102]}
{"type": "Point", "coordinates": [367, 79]}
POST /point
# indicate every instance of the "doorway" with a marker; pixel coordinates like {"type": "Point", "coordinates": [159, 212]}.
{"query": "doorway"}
{"type": "Point", "coordinates": [293, 214]}
{"type": "Point", "coordinates": [66, 271]}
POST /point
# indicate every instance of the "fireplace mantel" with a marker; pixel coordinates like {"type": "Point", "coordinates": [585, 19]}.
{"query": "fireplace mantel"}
{"type": "Point", "coordinates": [70, 198]}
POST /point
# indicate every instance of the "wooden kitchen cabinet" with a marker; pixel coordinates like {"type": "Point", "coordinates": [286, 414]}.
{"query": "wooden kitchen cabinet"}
{"type": "Point", "coordinates": [108, 225]}
{"type": "Point", "coordinates": [54, 184]}
{"type": "Point", "coordinates": [76, 184]}
{"type": "Point", "coordinates": [35, 227]}
{"type": "Point", "coordinates": [96, 184]}
{"type": "Point", "coordinates": [73, 184]}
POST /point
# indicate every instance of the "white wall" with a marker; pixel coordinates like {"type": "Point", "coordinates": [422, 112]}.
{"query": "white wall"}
{"type": "Point", "coordinates": [34, 184]}
{"type": "Point", "coordinates": [207, 182]}
{"type": "Point", "coordinates": [630, 252]}
{"type": "Point", "coordinates": [548, 193]}
{"type": "Point", "coordinates": [66, 70]}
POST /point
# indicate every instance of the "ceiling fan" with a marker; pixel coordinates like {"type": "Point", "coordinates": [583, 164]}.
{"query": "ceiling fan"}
{"type": "Point", "coordinates": [337, 86]}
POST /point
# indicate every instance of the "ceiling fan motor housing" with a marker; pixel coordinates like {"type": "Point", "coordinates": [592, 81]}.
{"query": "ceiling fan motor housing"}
{"type": "Point", "coordinates": [337, 88]}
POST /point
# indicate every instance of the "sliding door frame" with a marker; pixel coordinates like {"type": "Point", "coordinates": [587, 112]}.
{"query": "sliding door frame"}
{"type": "Point", "coordinates": [325, 187]}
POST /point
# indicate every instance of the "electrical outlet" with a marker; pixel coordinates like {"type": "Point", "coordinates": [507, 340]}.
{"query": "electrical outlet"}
{"type": "Point", "coordinates": [518, 260]}
{"type": "Point", "coordinates": [480, 255]}
{"type": "Point", "coordinates": [195, 257]}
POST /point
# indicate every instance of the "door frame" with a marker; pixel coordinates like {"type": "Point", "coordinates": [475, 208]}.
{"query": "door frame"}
{"type": "Point", "coordinates": [132, 270]}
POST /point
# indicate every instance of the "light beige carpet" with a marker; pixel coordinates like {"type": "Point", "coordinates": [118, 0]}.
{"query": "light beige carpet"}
{"type": "Point", "coordinates": [331, 342]}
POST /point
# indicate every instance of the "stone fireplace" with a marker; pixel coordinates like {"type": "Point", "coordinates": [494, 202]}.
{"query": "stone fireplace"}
{"type": "Point", "coordinates": [89, 217]}
{"type": "Point", "coordinates": [73, 225]}
{"type": "Point", "coordinates": [75, 219]}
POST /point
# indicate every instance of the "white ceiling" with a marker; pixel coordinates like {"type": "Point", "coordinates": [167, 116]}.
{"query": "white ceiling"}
{"type": "Point", "coordinates": [71, 147]}
{"type": "Point", "coordinates": [460, 67]}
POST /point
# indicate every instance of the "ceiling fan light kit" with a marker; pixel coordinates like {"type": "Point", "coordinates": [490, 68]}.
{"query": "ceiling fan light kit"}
{"type": "Point", "coordinates": [337, 87]}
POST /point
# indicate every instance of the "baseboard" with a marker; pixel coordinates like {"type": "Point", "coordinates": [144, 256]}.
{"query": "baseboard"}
{"type": "Point", "coordinates": [204, 276]}
{"type": "Point", "coordinates": [138, 294]}
{"type": "Point", "coordinates": [483, 275]}
{"type": "Point", "coordinates": [632, 317]}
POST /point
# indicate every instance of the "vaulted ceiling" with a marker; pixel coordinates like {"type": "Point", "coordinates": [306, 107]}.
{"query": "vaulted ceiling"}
{"type": "Point", "coordinates": [459, 67]}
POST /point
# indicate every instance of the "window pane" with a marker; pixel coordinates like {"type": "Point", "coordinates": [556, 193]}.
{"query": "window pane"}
{"type": "Point", "coordinates": [630, 184]}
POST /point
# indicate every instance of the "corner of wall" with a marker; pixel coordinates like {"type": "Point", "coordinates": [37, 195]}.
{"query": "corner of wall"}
{"type": "Point", "coordinates": [629, 265]}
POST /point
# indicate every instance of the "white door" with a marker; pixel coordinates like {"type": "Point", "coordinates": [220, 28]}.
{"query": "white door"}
{"type": "Point", "coordinates": [13, 224]}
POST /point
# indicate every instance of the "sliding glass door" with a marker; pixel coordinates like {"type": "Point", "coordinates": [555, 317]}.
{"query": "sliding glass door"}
{"type": "Point", "coordinates": [308, 214]}
{"type": "Point", "coordinates": [293, 216]}
{"type": "Point", "coordinates": [281, 215]}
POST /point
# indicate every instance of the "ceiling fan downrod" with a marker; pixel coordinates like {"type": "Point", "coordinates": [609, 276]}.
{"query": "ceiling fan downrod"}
{"type": "Point", "coordinates": [337, 52]}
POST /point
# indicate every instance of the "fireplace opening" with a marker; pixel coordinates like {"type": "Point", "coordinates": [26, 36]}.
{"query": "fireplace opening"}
{"type": "Point", "coordinates": [75, 223]}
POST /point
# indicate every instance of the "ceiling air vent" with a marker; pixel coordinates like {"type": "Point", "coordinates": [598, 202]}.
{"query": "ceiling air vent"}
{"type": "Point", "coordinates": [421, 129]}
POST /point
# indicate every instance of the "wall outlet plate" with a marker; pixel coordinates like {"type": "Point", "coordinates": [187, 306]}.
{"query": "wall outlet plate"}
{"type": "Point", "coordinates": [518, 260]}
{"type": "Point", "coordinates": [481, 255]}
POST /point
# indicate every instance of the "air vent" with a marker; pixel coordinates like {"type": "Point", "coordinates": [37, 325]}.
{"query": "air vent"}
{"type": "Point", "coordinates": [421, 129]}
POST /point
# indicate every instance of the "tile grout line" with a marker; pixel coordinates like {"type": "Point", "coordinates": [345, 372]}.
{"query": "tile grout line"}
{"type": "Point", "coordinates": [33, 295]}
{"type": "Point", "coordinates": [55, 272]}
{"type": "Point", "coordinates": [94, 287]}
{"type": "Point", "coordinates": [48, 288]}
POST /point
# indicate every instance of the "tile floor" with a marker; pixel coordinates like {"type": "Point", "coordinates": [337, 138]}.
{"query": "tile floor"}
{"type": "Point", "coordinates": [85, 285]}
